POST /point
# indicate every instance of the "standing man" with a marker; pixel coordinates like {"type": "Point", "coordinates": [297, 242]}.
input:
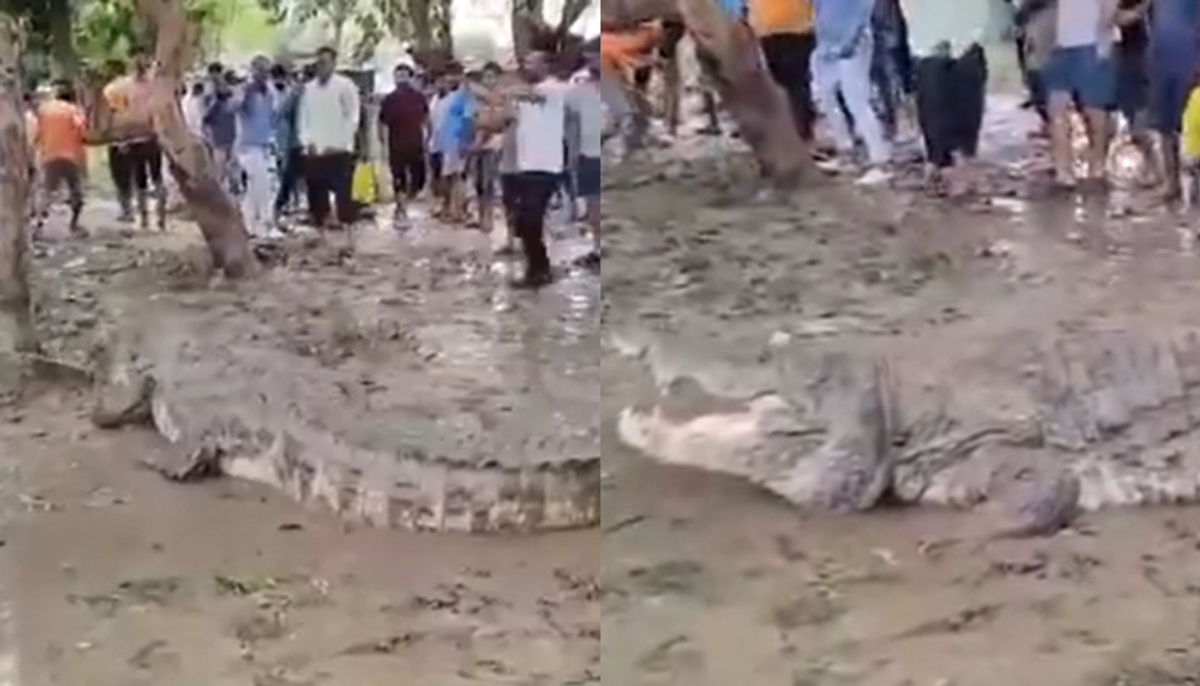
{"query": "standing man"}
{"type": "Point", "coordinates": [60, 138]}
{"type": "Point", "coordinates": [948, 40]}
{"type": "Point", "coordinates": [785, 31]}
{"type": "Point", "coordinates": [453, 140]}
{"type": "Point", "coordinates": [404, 115]}
{"type": "Point", "coordinates": [587, 108]}
{"type": "Point", "coordinates": [489, 144]}
{"type": "Point", "coordinates": [1081, 66]}
{"type": "Point", "coordinates": [220, 123]}
{"type": "Point", "coordinates": [287, 141]}
{"type": "Point", "coordinates": [1174, 61]}
{"type": "Point", "coordinates": [539, 135]}
{"type": "Point", "coordinates": [842, 67]}
{"type": "Point", "coordinates": [116, 101]}
{"type": "Point", "coordinates": [328, 118]}
{"type": "Point", "coordinates": [139, 156]}
{"type": "Point", "coordinates": [255, 110]}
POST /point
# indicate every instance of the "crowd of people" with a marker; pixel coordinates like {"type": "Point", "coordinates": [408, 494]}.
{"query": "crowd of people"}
{"type": "Point", "coordinates": [860, 64]}
{"type": "Point", "coordinates": [479, 142]}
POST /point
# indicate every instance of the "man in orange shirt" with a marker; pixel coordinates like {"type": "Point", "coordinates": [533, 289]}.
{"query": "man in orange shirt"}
{"type": "Point", "coordinates": [627, 58]}
{"type": "Point", "coordinates": [785, 30]}
{"type": "Point", "coordinates": [60, 142]}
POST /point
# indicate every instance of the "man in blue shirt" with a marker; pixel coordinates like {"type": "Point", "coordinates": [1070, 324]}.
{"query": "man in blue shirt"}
{"type": "Point", "coordinates": [254, 108]}
{"type": "Point", "coordinates": [1174, 60]}
{"type": "Point", "coordinates": [220, 122]}
{"type": "Point", "coordinates": [453, 139]}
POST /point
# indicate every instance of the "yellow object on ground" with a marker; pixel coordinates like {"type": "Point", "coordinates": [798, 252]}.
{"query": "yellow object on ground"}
{"type": "Point", "coordinates": [365, 189]}
{"type": "Point", "coordinates": [1191, 126]}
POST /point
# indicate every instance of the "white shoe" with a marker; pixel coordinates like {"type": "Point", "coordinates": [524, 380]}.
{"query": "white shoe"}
{"type": "Point", "coordinates": [875, 176]}
{"type": "Point", "coordinates": [833, 165]}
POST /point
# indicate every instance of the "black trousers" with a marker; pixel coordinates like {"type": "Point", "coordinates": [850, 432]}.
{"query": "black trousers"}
{"type": "Point", "coordinates": [950, 103]}
{"type": "Point", "coordinates": [528, 197]}
{"type": "Point", "coordinates": [289, 179]}
{"type": "Point", "coordinates": [788, 56]}
{"type": "Point", "coordinates": [326, 175]}
{"type": "Point", "coordinates": [409, 170]}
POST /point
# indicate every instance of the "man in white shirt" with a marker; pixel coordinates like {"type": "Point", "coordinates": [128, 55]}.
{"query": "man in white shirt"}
{"type": "Point", "coordinates": [540, 136]}
{"type": "Point", "coordinates": [587, 109]}
{"type": "Point", "coordinates": [327, 123]}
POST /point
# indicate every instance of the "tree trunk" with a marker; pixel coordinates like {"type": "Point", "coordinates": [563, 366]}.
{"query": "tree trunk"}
{"type": "Point", "coordinates": [214, 211]}
{"type": "Point", "coordinates": [572, 10]}
{"type": "Point", "coordinates": [62, 39]}
{"type": "Point", "coordinates": [421, 20]}
{"type": "Point", "coordinates": [16, 316]}
{"type": "Point", "coordinates": [747, 90]}
{"type": "Point", "coordinates": [526, 15]}
{"type": "Point", "coordinates": [442, 21]}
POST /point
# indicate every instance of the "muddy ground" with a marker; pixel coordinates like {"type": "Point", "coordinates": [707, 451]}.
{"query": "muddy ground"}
{"type": "Point", "coordinates": [708, 580]}
{"type": "Point", "coordinates": [122, 577]}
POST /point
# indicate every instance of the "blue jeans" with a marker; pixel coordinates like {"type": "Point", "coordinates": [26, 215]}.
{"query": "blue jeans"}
{"type": "Point", "coordinates": [851, 78]}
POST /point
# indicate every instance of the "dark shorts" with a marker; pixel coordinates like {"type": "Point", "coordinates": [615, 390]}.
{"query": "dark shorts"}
{"type": "Point", "coordinates": [1082, 73]}
{"type": "Point", "coordinates": [485, 171]}
{"type": "Point", "coordinates": [1169, 90]}
{"type": "Point", "coordinates": [588, 177]}
{"type": "Point", "coordinates": [435, 165]}
{"type": "Point", "coordinates": [1132, 88]}
{"type": "Point", "coordinates": [59, 173]}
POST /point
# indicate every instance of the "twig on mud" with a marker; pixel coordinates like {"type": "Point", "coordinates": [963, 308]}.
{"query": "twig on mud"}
{"type": "Point", "coordinates": [38, 359]}
{"type": "Point", "coordinates": [624, 524]}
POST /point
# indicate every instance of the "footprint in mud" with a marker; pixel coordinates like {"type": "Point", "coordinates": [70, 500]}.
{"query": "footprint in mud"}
{"type": "Point", "coordinates": [674, 577]}
{"type": "Point", "coordinates": [675, 656]}
{"type": "Point", "coordinates": [806, 610]}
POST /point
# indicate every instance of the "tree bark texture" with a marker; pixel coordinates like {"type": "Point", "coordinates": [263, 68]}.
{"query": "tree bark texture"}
{"type": "Point", "coordinates": [756, 102]}
{"type": "Point", "coordinates": [191, 166]}
{"type": "Point", "coordinates": [16, 315]}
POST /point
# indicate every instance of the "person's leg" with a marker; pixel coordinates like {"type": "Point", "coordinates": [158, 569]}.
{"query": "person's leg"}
{"type": "Point", "coordinates": [141, 182]}
{"type": "Point", "coordinates": [50, 181]}
{"type": "Point", "coordinates": [590, 169]}
{"type": "Point", "coordinates": [316, 185]}
{"type": "Point", "coordinates": [934, 96]}
{"type": "Point", "coordinates": [787, 57]}
{"type": "Point", "coordinates": [534, 192]}
{"type": "Point", "coordinates": [509, 200]}
{"type": "Point", "coordinates": [487, 165]}
{"type": "Point", "coordinates": [154, 160]}
{"type": "Point", "coordinates": [969, 85]}
{"type": "Point", "coordinates": [417, 174]}
{"type": "Point", "coordinates": [854, 74]}
{"type": "Point", "coordinates": [1060, 79]}
{"type": "Point", "coordinates": [256, 207]}
{"type": "Point", "coordinates": [74, 179]}
{"type": "Point", "coordinates": [120, 169]}
{"type": "Point", "coordinates": [827, 93]}
{"type": "Point", "coordinates": [1169, 93]}
{"type": "Point", "coordinates": [289, 180]}
{"type": "Point", "coordinates": [1098, 93]}
{"type": "Point", "coordinates": [344, 164]}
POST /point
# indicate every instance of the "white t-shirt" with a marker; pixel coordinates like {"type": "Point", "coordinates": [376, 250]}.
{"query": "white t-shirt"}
{"type": "Point", "coordinates": [438, 109]}
{"type": "Point", "coordinates": [328, 115]}
{"type": "Point", "coordinates": [541, 131]}
{"type": "Point", "coordinates": [588, 107]}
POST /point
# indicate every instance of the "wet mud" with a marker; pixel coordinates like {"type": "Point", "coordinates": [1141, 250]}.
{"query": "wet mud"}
{"type": "Point", "coordinates": [711, 579]}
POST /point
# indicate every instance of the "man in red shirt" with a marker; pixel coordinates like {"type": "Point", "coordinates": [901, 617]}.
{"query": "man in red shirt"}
{"type": "Point", "coordinates": [59, 136]}
{"type": "Point", "coordinates": [404, 114]}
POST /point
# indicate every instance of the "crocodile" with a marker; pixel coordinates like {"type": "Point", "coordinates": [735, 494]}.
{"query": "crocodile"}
{"type": "Point", "coordinates": [385, 415]}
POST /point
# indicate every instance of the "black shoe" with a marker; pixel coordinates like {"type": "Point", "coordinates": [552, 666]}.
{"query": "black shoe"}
{"type": "Point", "coordinates": [590, 262]}
{"type": "Point", "coordinates": [533, 281]}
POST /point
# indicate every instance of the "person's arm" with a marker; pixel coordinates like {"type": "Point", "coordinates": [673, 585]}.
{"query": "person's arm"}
{"type": "Point", "coordinates": [351, 104]}
{"type": "Point", "coordinates": [1028, 10]}
{"type": "Point", "coordinates": [303, 123]}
